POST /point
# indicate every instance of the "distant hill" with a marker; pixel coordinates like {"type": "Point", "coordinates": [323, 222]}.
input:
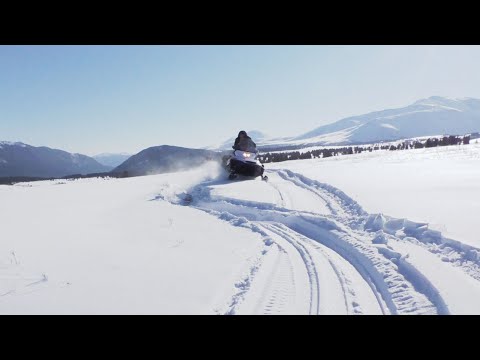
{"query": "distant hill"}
{"type": "Point", "coordinates": [112, 160]}
{"type": "Point", "coordinates": [22, 160]}
{"type": "Point", "coordinates": [164, 159]}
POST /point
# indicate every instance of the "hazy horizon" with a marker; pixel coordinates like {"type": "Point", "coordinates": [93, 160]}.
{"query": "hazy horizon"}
{"type": "Point", "coordinates": [123, 99]}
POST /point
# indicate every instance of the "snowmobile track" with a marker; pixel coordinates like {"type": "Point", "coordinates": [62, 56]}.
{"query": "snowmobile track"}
{"type": "Point", "coordinates": [328, 259]}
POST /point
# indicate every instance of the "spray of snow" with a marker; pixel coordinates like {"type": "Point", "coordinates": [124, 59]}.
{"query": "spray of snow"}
{"type": "Point", "coordinates": [209, 169]}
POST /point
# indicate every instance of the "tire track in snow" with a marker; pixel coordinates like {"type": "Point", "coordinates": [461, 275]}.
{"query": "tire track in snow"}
{"type": "Point", "coordinates": [354, 217]}
{"type": "Point", "coordinates": [273, 269]}
{"type": "Point", "coordinates": [341, 205]}
{"type": "Point", "coordinates": [308, 262]}
{"type": "Point", "coordinates": [278, 293]}
{"type": "Point", "coordinates": [340, 268]}
{"type": "Point", "coordinates": [457, 254]}
{"type": "Point", "coordinates": [282, 199]}
{"type": "Point", "coordinates": [342, 232]}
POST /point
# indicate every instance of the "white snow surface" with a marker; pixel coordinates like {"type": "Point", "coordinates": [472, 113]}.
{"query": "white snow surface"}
{"type": "Point", "coordinates": [439, 186]}
{"type": "Point", "coordinates": [326, 139]}
{"type": "Point", "coordinates": [388, 126]}
{"type": "Point", "coordinates": [343, 235]}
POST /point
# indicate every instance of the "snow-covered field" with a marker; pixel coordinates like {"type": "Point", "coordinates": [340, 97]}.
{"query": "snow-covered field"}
{"type": "Point", "coordinates": [98, 246]}
{"type": "Point", "coordinates": [344, 235]}
{"type": "Point", "coordinates": [440, 186]}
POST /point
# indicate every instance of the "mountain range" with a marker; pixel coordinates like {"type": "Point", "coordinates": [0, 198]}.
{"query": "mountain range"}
{"type": "Point", "coordinates": [19, 159]}
{"type": "Point", "coordinates": [432, 116]}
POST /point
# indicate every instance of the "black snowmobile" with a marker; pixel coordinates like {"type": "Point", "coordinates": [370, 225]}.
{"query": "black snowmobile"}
{"type": "Point", "coordinates": [244, 163]}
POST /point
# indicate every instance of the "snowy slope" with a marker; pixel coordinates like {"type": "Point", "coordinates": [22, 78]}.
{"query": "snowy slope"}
{"type": "Point", "coordinates": [294, 245]}
{"type": "Point", "coordinates": [433, 116]}
{"type": "Point", "coordinates": [425, 117]}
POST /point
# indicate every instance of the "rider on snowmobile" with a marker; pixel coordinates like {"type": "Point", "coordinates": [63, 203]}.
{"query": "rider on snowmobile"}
{"type": "Point", "coordinates": [244, 143]}
{"type": "Point", "coordinates": [245, 162]}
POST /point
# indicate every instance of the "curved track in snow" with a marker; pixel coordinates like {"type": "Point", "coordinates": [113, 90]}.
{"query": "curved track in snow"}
{"type": "Point", "coordinates": [323, 253]}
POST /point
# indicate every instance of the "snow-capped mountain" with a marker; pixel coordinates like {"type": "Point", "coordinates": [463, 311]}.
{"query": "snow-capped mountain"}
{"type": "Point", "coordinates": [164, 159]}
{"type": "Point", "coordinates": [433, 116]}
{"type": "Point", "coordinates": [19, 159]}
{"type": "Point", "coordinates": [112, 160]}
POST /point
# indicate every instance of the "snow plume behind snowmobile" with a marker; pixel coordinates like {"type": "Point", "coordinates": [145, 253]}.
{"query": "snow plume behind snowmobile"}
{"type": "Point", "coordinates": [167, 159]}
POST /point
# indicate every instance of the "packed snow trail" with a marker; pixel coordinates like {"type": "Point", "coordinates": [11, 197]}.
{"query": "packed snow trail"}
{"type": "Point", "coordinates": [325, 255]}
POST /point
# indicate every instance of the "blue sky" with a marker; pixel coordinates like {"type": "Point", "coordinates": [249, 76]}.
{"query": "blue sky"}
{"type": "Point", "coordinates": [94, 99]}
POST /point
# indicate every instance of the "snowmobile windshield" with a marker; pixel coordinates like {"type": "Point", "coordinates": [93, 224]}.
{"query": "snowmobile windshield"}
{"type": "Point", "coordinates": [245, 144]}
{"type": "Point", "coordinates": [250, 148]}
{"type": "Point", "coordinates": [248, 145]}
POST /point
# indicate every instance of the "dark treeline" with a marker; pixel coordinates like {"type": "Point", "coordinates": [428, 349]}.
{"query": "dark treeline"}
{"type": "Point", "coordinates": [10, 180]}
{"type": "Point", "coordinates": [348, 150]}
{"type": "Point", "coordinates": [117, 175]}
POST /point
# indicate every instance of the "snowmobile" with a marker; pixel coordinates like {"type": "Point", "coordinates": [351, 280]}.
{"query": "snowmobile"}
{"type": "Point", "coordinates": [244, 163]}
